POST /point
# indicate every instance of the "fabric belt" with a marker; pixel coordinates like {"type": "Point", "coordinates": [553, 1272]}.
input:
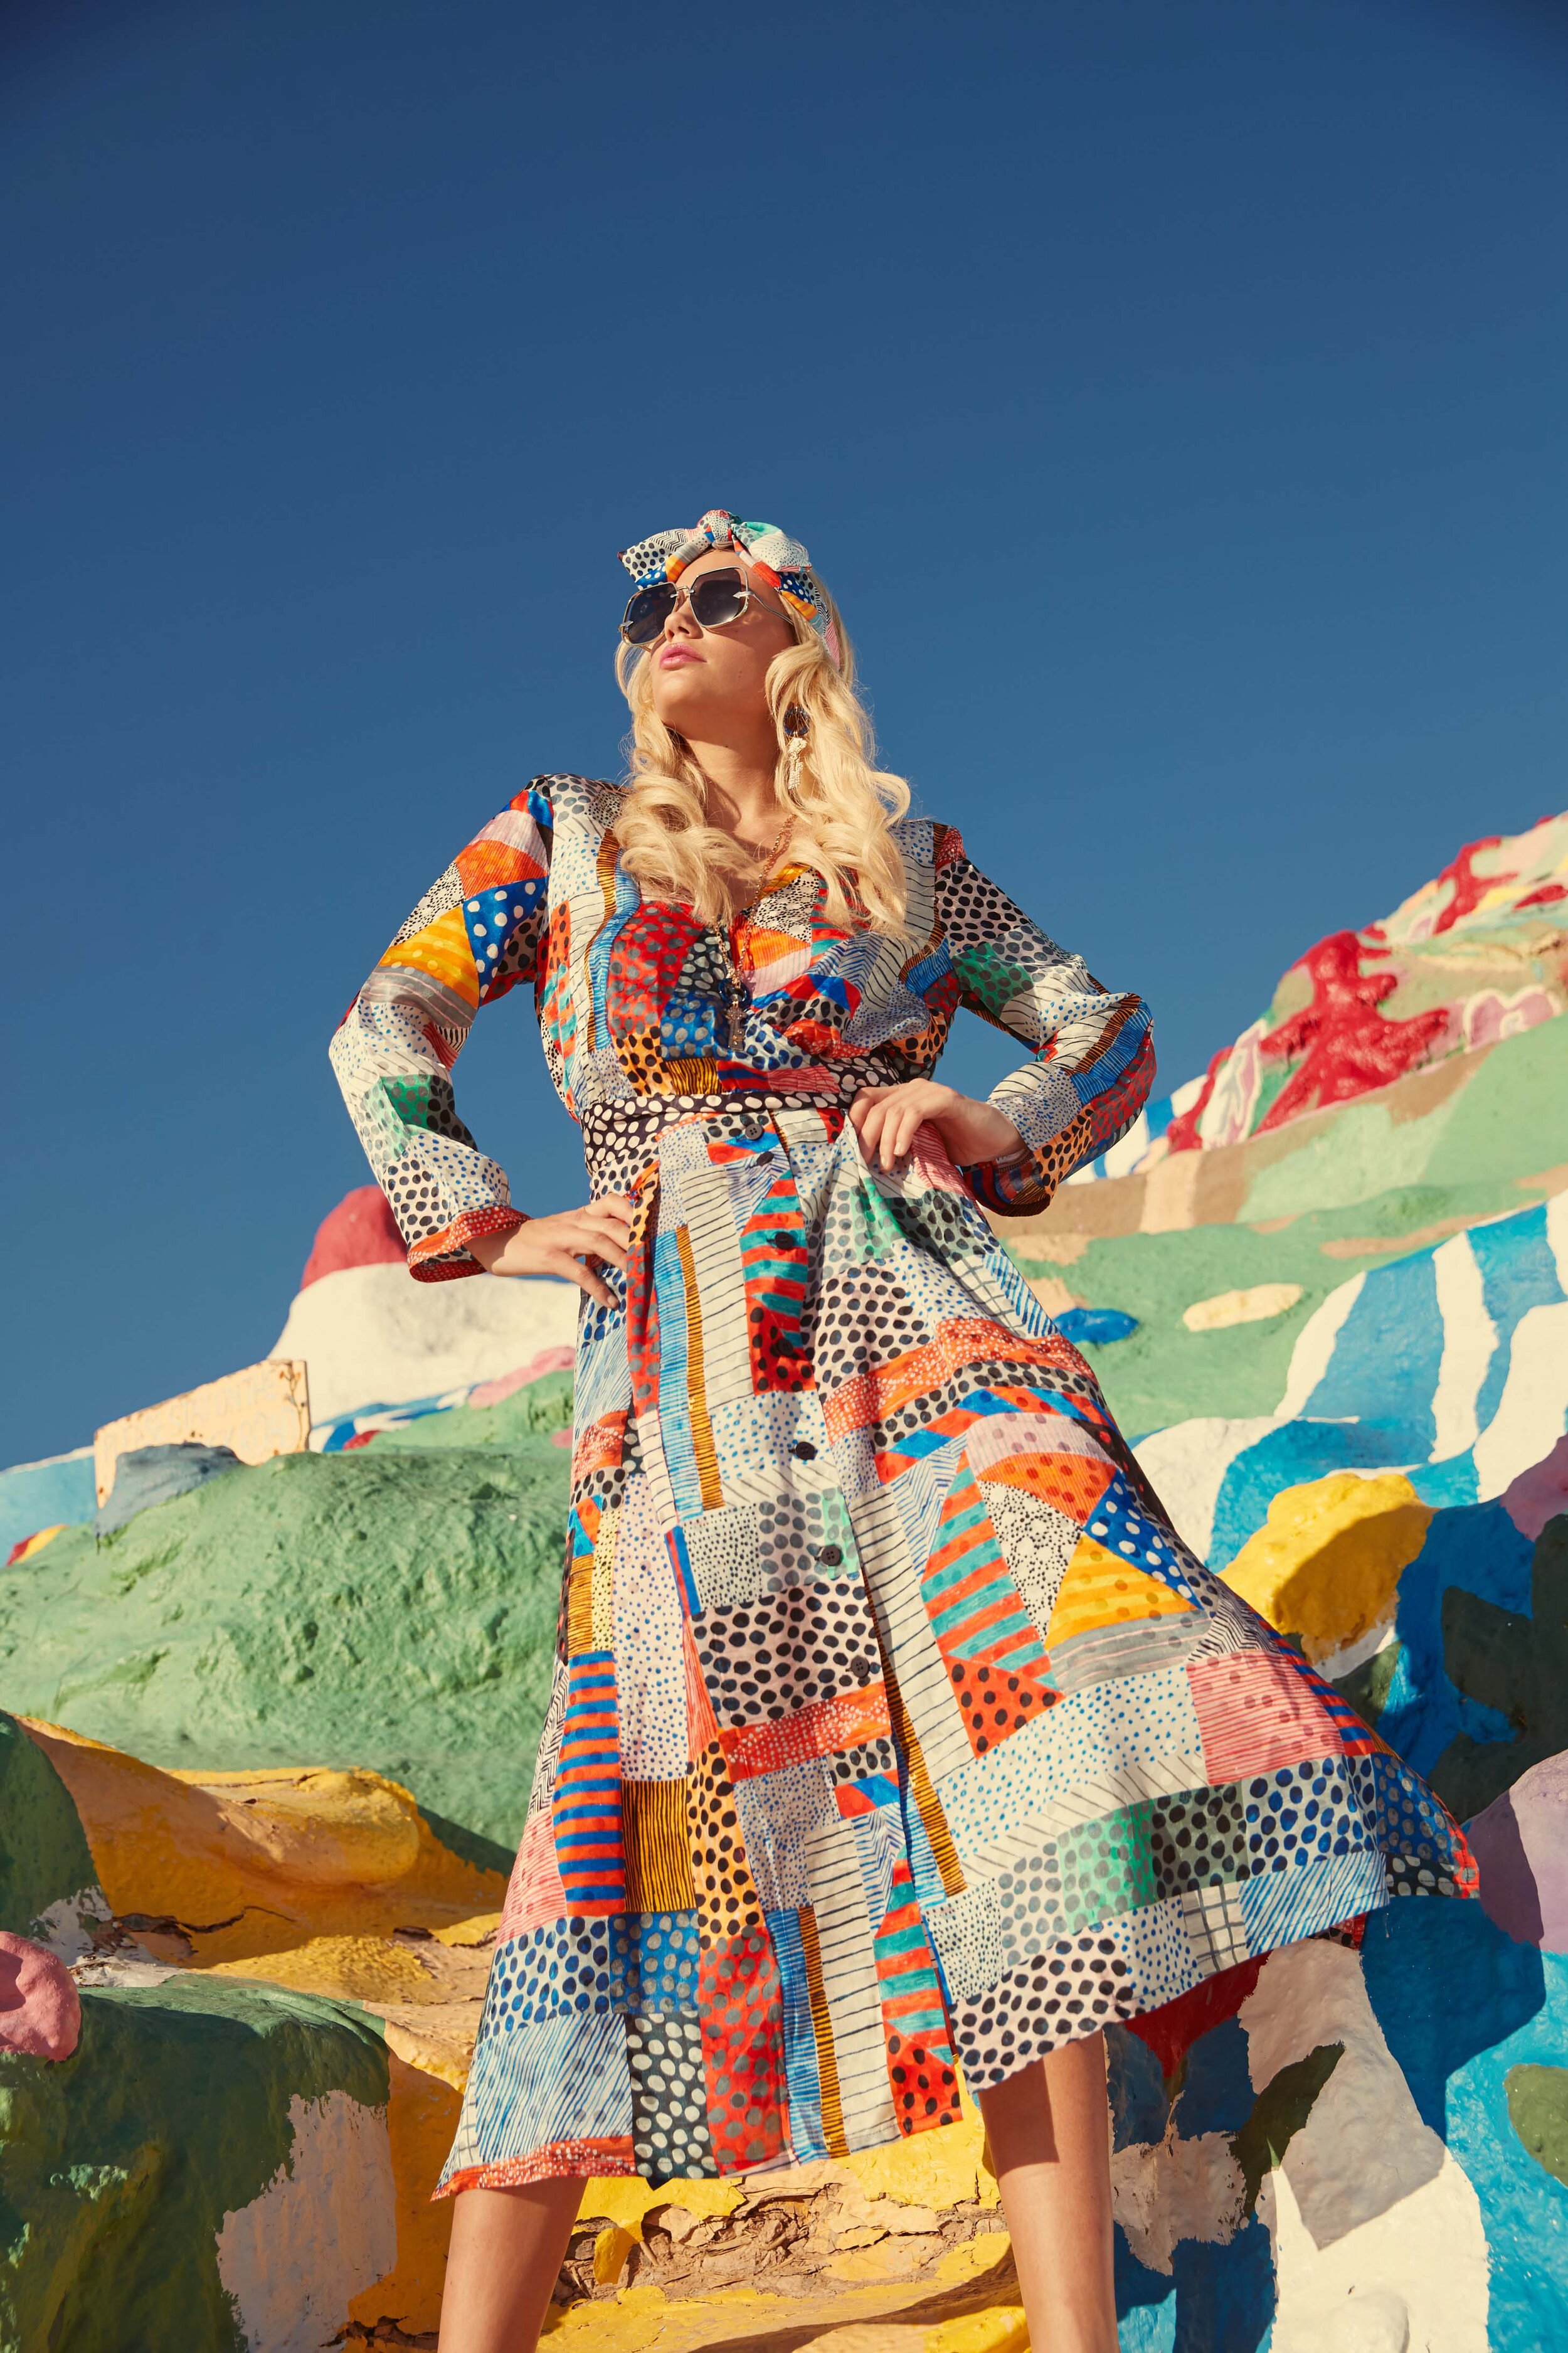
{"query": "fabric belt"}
{"type": "Point", "coordinates": [789, 1123]}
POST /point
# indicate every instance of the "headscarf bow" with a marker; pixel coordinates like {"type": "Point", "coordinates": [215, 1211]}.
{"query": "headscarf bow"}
{"type": "Point", "coordinates": [770, 552]}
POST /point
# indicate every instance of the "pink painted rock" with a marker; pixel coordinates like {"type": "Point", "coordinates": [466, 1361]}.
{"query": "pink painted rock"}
{"type": "Point", "coordinates": [39, 2010]}
{"type": "Point", "coordinates": [1521, 1845]}
{"type": "Point", "coordinates": [1540, 1494]}
{"type": "Point", "coordinates": [549, 1360]}
{"type": "Point", "coordinates": [361, 1232]}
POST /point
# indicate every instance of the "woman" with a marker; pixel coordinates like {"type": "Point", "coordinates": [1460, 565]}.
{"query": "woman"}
{"type": "Point", "coordinates": [893, 1729]}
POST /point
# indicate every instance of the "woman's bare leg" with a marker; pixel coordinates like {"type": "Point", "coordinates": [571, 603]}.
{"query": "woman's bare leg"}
{"type": "Point", "coordinates": [1050, 2134]}
{"type": "Point", "coordinates": [508, 2247]}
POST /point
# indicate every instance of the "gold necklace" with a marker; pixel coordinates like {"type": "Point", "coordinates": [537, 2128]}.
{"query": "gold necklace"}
{"type": "Point", "coordinates": [738, 993]}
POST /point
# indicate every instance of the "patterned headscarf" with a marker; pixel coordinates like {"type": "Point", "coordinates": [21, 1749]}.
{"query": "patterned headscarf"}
{"type": "Point", "coordinates": [770, 552]}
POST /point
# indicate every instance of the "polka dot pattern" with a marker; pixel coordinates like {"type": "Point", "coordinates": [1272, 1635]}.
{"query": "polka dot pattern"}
{"type": "Point", "coordinates": [788, 1650]}
{"type": "Point", "coordinates": [728, 1905]}
{"type": "Point", "coordinates": [1082, 1984]}
{"type": "Point", "coordinates": [671, 2139]}
{"type": "Point", "coordinates": [925, 2087]}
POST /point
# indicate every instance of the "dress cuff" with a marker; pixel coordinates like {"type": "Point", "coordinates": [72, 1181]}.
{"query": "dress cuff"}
{"type": "Point", "coordinates": [1022, 1185]}
{"type": "Point", "coordinates": [444, 1256]}
{"type": "Point", "coordinates": [1016, 1186]}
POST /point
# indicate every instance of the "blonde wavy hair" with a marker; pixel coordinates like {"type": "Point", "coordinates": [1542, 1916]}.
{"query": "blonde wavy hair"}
{"type": "Point", "coordinates": [844, 806]}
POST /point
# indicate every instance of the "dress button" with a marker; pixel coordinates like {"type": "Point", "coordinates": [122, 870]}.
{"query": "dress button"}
{"type": "Point", "coordinates": [828, 1555]}
{"type": "Point", "coordinates": [804, 1451]}
{"type": "Point", "coordinates": [753, 1128]}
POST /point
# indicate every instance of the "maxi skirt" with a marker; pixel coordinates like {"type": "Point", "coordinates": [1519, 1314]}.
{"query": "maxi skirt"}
{"type": "Point", "coordinates": [894, 1731]}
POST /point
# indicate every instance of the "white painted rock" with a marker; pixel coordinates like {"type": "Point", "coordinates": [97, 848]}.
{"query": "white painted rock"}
{"type": "Point", "coordinates": [1375, 2321]}
{"type": "Point", "coordinates": [372, 1335]}
{"type": "Point", "coordinates": [1228, 1307]}
{"type": "Point", "coordinates": [324, 2228]}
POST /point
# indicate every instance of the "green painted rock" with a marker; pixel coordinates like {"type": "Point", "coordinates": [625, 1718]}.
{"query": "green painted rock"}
{"type": "Point", "coordinates": [1538, 2111]}
{"type": "Point", "coordinates": [209, 2171]}
{"type": "Point", "coordinates": [46, 1872]}
{"type": "Point", "coordinates": [395, 1608]}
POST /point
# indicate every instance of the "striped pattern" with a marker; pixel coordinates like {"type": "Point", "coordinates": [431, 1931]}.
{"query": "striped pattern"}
{"type": "Point", "coordinates": [709, 1491]}
{"type": "Point", "coordinates": [581, 1529]}
{"type": "Point", "coordinates": [561, 2085]}
{"type": "Point", "coordinates": [975, 1609]}
{"type": "Point", "coordinates": [803, 2074]}
{"type": "Point", "coordinates": [1257, 1712]}
{"type": "Point", "coordinates": [831, 2097]}
{"type": "Point", "coordinates": [717, 1264]}
{"type": "Point", "coordinates": [850, 1987]}
{"type": "Point", "coordinates": [906, 1968]}
{"type": "Point", "coordinates": [934, 1821]}
{"type": "Point", "coordinates": [1103, 1589]}
{"type": "Point", "coordinates": [587, 1806]}
{"type": "Point", "coordinates": [657, 1855]}
{"type": "Point", "coordinates": [924, 1691]}
{"type": "Point", "coordinates": [776, 1266]}
{"type": "Point", "coordinates": [1276, 1904]}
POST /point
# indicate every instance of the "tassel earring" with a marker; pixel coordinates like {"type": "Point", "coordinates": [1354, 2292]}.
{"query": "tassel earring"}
{"type": "Point", "coordinates": [796, 729]}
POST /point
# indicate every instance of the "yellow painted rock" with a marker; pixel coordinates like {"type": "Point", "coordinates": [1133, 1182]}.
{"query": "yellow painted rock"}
{"type": "Point", "coordinates": [236, 1865]}
{"type": "Point", "coordinates": [1326, 1564]}
{"type": "Point", "coordinates": [1228, 1307]}
{"type": "Point", "coordinates": [1001, 2329]}
{"type": "Point", "coordinates": [469, 1933]}
{"type": "Point", "coordinates": [320, 1829]}
{"type": "Point", "coordinates": [940, 2168]}
{"type": "Point", "coordinates": [421, 2119]}
{"type": "Point", "coordinates": [611, 2249]}
{"type": "Point", "coordinates": [348, 1968]}
{"type": "Point", "coordinates": [37, 1541]}
{"type": "Point", "coordinates": [624, 2199]}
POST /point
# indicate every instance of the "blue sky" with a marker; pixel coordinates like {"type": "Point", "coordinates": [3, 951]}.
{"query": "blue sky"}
{"type": "Point", "coordinates": [1171, 390]}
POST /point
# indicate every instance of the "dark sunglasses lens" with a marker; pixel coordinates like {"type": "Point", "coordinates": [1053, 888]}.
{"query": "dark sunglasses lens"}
{"type": "Point", "coordinates": [718, 599]}
{"type": "Point", "coordinates": [647, 614]}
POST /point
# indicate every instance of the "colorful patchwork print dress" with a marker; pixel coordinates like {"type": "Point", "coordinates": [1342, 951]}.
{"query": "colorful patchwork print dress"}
{"type": "Point", "coordinates": [893, 1729]}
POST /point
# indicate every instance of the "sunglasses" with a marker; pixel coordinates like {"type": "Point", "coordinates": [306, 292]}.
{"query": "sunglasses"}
{"type": "Point", "coordinates": [716, 599]}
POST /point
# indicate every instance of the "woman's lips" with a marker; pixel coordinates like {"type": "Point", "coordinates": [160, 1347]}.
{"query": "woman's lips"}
{"type": "Point", "coordinates": [673, 657]}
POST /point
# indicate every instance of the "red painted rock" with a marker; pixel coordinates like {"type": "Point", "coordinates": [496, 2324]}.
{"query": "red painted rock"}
{"type": "Point", "coordinates": [1171, 2030]}
{"type": "Point", "coordinates": [39, 2010]}
{"type": "Point", "coordinates": [548, 1360]}
{"type": "Point", "coordinates": [361, 1232]}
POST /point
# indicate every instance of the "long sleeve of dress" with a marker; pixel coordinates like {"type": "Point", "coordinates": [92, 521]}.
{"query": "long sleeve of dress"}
{"type": "Point", "coordinates": [1092, 1053]}
{"type": "Point", "coordinates": [477, 931]}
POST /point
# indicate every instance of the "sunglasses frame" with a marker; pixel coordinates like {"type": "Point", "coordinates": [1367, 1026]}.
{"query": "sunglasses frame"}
{"type": "Point", "coordinates": [749, 597]}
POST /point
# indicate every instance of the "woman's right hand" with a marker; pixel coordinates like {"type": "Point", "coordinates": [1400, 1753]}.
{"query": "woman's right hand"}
{"type": "Point", "coordinates": [566, 1244]}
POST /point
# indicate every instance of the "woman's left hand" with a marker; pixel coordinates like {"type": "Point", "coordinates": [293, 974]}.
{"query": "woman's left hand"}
{"type": "Point", "coordinates": [884, 1119]}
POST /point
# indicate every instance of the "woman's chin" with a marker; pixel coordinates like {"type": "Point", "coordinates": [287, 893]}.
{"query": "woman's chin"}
{"type": "Point", "coordinates": [683, 711]}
